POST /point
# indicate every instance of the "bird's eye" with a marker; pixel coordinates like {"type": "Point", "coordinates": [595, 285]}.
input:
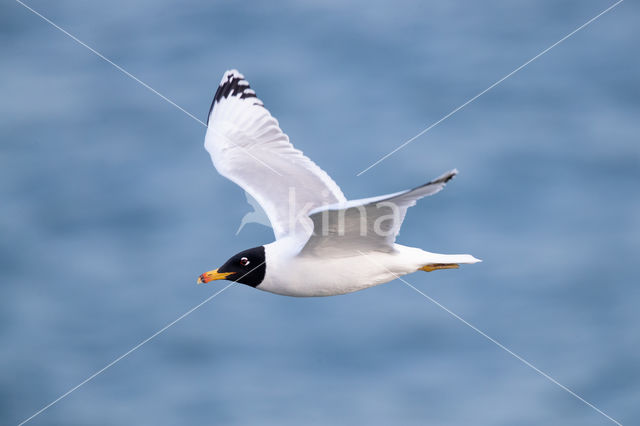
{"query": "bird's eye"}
{"type": "Point", "coordinates": [244, 261]}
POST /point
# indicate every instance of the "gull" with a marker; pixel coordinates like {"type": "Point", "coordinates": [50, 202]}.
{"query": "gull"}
{"type": "Point", "coordinates": [324, 245]}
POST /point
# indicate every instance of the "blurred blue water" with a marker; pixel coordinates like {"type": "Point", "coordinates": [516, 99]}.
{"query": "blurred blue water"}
{"type": "Point", "coordinates": [110, 208]}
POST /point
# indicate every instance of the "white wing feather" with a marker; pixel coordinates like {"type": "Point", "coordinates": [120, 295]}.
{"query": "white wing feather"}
{"type": "Point", "coordinates": [369, 224]}
{"type": "Point", "coordinates": [247, 146]}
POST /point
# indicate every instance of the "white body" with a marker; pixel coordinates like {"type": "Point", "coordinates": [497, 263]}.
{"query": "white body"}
{"type": "Point", "coordinates": [308, 276]}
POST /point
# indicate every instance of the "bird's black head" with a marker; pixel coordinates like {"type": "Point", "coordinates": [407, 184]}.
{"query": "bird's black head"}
{"type": "Point", "coordinates": [247, 267]}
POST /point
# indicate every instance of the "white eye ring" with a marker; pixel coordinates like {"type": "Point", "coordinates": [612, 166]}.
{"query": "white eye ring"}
{"type": "Point", "coordinates": [244, 261]}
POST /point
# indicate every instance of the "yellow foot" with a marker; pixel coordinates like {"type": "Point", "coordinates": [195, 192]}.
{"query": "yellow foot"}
{"type": "Point", "coordinates": [434, 266]}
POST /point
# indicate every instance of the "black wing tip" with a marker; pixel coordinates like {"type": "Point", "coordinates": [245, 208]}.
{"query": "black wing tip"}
{"type": "Point", "coordinates": [445, 177]}
{"type": "Point", "coordinates": [233, 83]}
{"type": "Point", "coordinates": [441, 180]}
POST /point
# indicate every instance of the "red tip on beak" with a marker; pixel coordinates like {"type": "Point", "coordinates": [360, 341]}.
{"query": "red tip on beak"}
{"type": "Point", "coordinates": [213, 275]}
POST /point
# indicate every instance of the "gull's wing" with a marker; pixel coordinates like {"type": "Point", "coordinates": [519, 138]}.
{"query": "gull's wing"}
{"type": "Point", "coordinates": [247, 146]}
{"type": "Point", "coordinates": [365, 225]}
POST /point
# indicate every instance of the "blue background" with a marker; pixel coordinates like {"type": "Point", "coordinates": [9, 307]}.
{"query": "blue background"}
{"type": "Point", "coordinates": [110, 209]}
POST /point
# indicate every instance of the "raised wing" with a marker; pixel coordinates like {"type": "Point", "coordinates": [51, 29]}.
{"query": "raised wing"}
{"type": "Point", "coordinates": [247, 146]}
{"type": "Point", "coordinates": [365, 225]}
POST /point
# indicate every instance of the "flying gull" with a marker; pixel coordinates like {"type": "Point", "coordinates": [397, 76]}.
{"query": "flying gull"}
{"type": "Point", "coordinates": [325, 245]}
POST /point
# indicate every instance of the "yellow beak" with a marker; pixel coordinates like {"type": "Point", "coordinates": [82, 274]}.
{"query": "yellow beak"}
{"type": "Point", "coordinates": [213, 275]}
